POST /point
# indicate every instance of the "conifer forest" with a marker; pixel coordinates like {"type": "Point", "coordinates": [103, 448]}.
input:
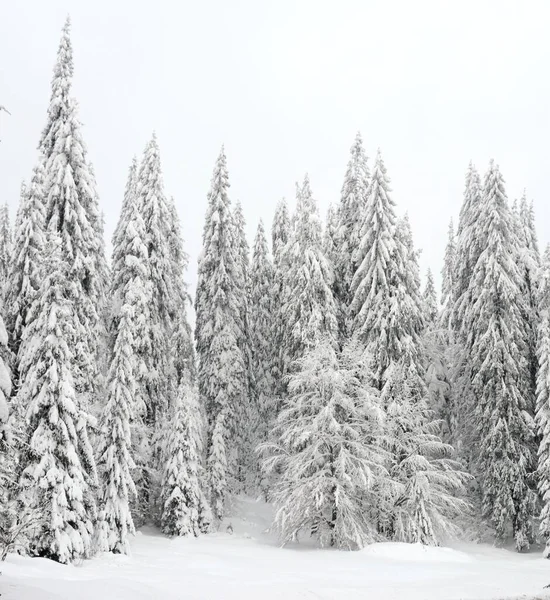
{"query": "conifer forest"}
{"type": "Point", "coordinates": [315, 375]}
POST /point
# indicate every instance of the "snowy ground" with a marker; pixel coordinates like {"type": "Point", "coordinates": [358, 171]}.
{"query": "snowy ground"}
{"type": "Point", "coordinates": [249, 565]}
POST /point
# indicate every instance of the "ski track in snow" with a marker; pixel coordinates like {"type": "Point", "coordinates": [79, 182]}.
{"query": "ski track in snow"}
{"type": "Point", "coordinates": [250, 565]}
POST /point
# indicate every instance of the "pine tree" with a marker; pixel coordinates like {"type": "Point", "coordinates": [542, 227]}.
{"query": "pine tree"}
{"type": "Point", "coordinates": [529, 261]}
{"type": "Point", "coordinates": [261, 334]}
{"type": "Point", "coordinates": [122, 432]}
{"type": "Point", "coordinates": [71, 208]}
{"type": "Point", "coordinates": [6, 249]}
{"type": "Point", "coordinates": [386, 310]}
{"type": "Point", "coordinates": [496, 344]}
{"type": "Point", "coordinates": [309, 308]}
{"type": "Point", "coordinates": [543, 399]}
{"type": "Point", "coordinates": [155, 211]}
{"type": "Point", "coordinates": [350, 219]}
{"type": "Point", "coordinates": [430, 300]}
{"type": "Point", "coordinates": [221, 364]}
{"type": "Point", "coordinates": [247, 404]}
{"type": "Point", "coordinates": [280, 234]}
{"type": "Point", "coordinates": [469, 244]}
{"type": "Point", "coordinates": [330, 247]}
{"type": "Point", "coordinates": [182, 336]}
{"type": "Point", "coordinates": [25, 268]}
{"type": "Point", "coordinates": [185, 509]}
{"type": "Point", "coordinates": [427, 489]}
{"type": "Point", "coordinates": [59, 469]}
{"type": "Point", "coordinates": [327, 451]}
{"type": "Point", "coordinates": [447, 280]}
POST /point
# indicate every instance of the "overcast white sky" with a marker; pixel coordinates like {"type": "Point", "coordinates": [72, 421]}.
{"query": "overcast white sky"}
{"type": "Point", "coordinates": [285, 85]}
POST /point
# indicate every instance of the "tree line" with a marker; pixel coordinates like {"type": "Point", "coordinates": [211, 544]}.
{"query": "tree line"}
{"type": "Point", "coordinates": [321, 374]}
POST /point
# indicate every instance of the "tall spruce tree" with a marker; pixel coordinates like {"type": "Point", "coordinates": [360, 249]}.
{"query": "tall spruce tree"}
{"type": "Point", "coordinates": [247, 404]}
{"type": "Point", "coordinates": [72, 208]}
{"type": "Point", "coordinates": [222, 376]}
{"type": "Point", "coordinates": [280, 234]}
{"type": "Point", "coordinates": [6, 247]}
{"type": "Point", "coordinates": [430, 299]}
{"type": "Point", "coordinates": [350, 219]}
{"type": "Point", "coordinates": [448, 279]}
{"type": "Point", "coordinates": [543, 398]}
{"type": "Point", "coordinates": [327, 451]}
{"type": "Point", "coordinates": [124, 440]}
{"type": "Point", "coordinates": [496, 341]}
{"type": "Point", "coordinates": [261, 334]}
{"type": "Point", "coordinates": [384, 278]}
{"type": "Point", "coordinates": [529, 261]}
{"type": "Point", "coordinates": [185, 510]}
{"type": "Point", "coordinates": [309, 308]}
{"type": "Point", "coordinates": [25, 267]}
{"type": "Point", "coordinates": [59, 468]}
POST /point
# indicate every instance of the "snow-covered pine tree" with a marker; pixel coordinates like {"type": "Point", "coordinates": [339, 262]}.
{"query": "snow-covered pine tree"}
{"type": "Point", "coordinates": [309, 307]}
{"type": "Point", "coordinates": [185, 510]}
{"type": "Point", "coordinates": [182, 336]}
{"type": "Point", "coordinates": [247, 405]}
{"type": "Point", "coordinates": [350, 219]}
{"type": "Point", "coordinates": [24, 271]}
{"type": "Point", "coordinates": [124, 442]}
{"type": "Point", "coordinates": [6, 248]}
{"type": "Point", "coordinates": [330, 232]}
{"type": "Point", "coordinates": [427, 485]}
{"type": "Point", "coordinates": [447, 281]}
{"type": "Point", "coordinates": [327, 451]}
{"type": "Point", "coordinates": [261, 335]}
{"type": "Point", "coordinates": [222, 376]}
{"type": "Point", "coordinates": [386, 309]}
{"type": "Point", "coordinates": [59, 467]}
{"type": "Point", "coordinates": [130, 194]}
{"type": "Point", "coordinates": [280, 234]}
{"type": "Point", "coordinates": [72, 208]}
{"type": "Point", "coordinates": [543, 398]}
{"type": "Point", "coordinates": [469, 245]}
{"type": "Point", "coordinates": [155, 211]}
{"type": "Point", "coordinates": [529, 259]}
{"type": "Point", "coordinates": [496, 342]}
{"type": "Point", "coordinates": [430, 300]}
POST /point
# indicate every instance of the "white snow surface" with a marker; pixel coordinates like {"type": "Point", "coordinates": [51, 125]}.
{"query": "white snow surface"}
{"type": "Point", "coordinates": [250, 565]}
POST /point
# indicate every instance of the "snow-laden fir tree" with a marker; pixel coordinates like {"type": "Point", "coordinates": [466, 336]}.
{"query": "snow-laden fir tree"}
{"type": "Point", "coordinates": [185, 510]}
{"type": "Point", "coordinates": [469, 245]}
{"type": "Point", "coordinates": [24, 271]}
{"type": "Point", "coordinates": [430, 300]}
{"type": "Point", "coordinates": [6, 245]}
{"type": "Point", "coordinates": [59, 468]}
{"type": "Point", "coordinates": [496, 342]}
{"type": "Point", "coordinates": [182, 335]}
{"type": "Point", "coordinates": [124, 439]}
{"type": "Point", "coordinates": [222, 376]}
{"type": "Point", "coordinates": [386, 311]}
{"type": "Point", "coordinates": [543, 398]}
{"type": "Point", "coordinates": [155, 211]}
{"type": "Point", "coordinates": [330, 232]}
{"type": "Point", "coordinates": [529, 261]}
{"type": "Point", "coordinates": [309, 307]}
{"type": "Point", "coordinates": [350, 220]}
{"type": "Point", "coordinates": [280, 234]}
{"type": "Point", "coordinates": [426, 493]}
{"type": "Point", "coordinates": [447, 280]}
{"type": "Point", "coordinates": [434, 347]}
{"type": "Point", "coordinates": [71, 207]}
{"type": "Point", "coordinates": [130, 194]}
{"type": "Point", "coordinates": [247, 404]}
{"type": "Point", "coordinates": [261, 334]}
{"type": "Point", "coordinates": [327, 451]}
